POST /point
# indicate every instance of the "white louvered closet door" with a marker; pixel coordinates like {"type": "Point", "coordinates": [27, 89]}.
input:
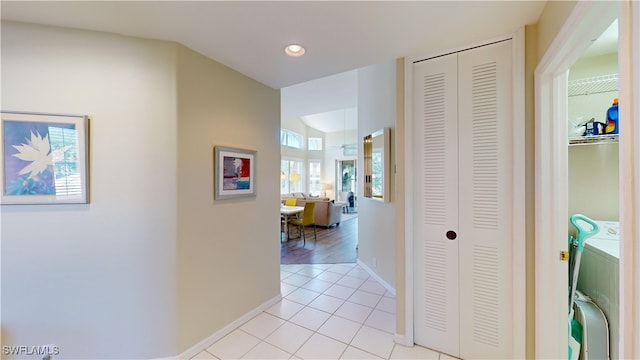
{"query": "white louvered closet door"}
{"type": "Point", "coordinates": [463, 286]}
{"type": "Point", "coordinates": [436, 294]}
{"type": "Point", "coordinates": [486, 205]}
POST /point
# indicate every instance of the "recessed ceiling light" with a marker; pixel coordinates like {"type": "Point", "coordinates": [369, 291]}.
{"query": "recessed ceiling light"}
{"type": "Point", "coordinates": [294, 50]}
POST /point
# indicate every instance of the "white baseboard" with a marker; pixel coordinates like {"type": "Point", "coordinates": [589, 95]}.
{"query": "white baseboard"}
{"type": "Point", "coordinates": [389, 288]}
{"type": "Point", "coordinates": [402, 340]}
{"type": "Point", "coordinates": [204, 344]}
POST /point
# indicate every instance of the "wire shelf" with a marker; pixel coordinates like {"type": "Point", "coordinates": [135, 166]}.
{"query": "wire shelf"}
{"type": "Point", "coordinates": [593, 85]}
{"type": "Point", "coordinates": [594, 139]}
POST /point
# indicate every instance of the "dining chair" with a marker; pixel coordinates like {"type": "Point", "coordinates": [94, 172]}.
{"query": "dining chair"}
{"type": "Point", "coordinates": [287, 202]}
{"type": "Point", "coordinates": [306, 220]}
{"type": "Point", "coordinates": [291, 201]}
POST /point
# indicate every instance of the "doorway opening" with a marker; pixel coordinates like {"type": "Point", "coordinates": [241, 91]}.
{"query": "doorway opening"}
{"type": "Point", "coordinates": [346, 184]}
{"type": "Point", "coordinates": [587, 21]}
{"type": "Point", "coordinates": [593, 159]}
{"type": "Point", "coordinates": [327, 129]}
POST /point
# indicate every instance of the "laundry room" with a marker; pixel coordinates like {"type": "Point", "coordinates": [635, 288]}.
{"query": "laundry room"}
{"type": "Point", "coordinates": [593, 183]}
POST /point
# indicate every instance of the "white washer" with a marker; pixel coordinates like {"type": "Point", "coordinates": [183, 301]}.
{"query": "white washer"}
{"type": "Point", "coordinates": [599, 276]}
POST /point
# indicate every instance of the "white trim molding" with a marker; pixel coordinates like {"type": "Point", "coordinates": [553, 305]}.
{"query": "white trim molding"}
{"type": "Point", "coordinates": [377, 277]}
{"type": "Point", "coordinates": [629, 59]}
{"type": "Point", "coordinates": [519, 270]}
{"type": "Point", "coordinates": [549, 197]}
{"type": "Point", "coordinates": [402, 339]}
{"type": "Point", "coordinates": [408, 203]}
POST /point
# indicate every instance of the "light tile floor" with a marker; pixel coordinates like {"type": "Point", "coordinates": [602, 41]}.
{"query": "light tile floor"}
{"type": "Point", "coordinates": [328, 311]}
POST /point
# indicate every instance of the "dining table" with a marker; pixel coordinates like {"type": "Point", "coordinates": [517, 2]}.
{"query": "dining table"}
{"type": "Point", "coordinates": [287, 212]}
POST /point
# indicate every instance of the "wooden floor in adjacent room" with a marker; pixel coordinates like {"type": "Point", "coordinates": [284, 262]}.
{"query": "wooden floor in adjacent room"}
{"type": "Point", "coordinates": [337, 244]}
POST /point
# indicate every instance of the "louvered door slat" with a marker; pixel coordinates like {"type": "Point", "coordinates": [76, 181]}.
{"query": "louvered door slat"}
{"type": "Point", "coordinates": [485, 186]}
{"type": "Point", "coordinates": [436, 294]}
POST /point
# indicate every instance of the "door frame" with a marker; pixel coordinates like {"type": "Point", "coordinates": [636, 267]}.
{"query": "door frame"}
{"type": "Point", "coordinates": [586, 21]}
{"type": "Point", "coordinates": [519, 270]}
{"type": "Point", "coordinates": [629, 39]}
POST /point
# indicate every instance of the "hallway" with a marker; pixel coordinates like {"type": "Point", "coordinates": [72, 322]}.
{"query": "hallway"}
{"type": "Point", "coordinates": [328, 311]}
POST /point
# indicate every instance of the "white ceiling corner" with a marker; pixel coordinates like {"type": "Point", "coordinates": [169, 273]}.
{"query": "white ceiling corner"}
{"type": "Point", "coordinates": [333, 121]}
{"type": "Point", "coordinates": [606, 43]}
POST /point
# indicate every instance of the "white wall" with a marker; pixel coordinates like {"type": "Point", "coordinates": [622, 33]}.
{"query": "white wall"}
{"type": "Point", "coordinates": [376, 220]}
{"type": "Point", "coordinates": [594, 66]}
{"type": "Point", "coordinates": [592, 105]}
{"type": "Point", "coordinates": [294, 124]}
{"type": "Point", "coordinates": [97, 280]}
{"type": "Point", "coordinates": [228, 250]}
{"type": "Point", "coordinates": [152, 266]}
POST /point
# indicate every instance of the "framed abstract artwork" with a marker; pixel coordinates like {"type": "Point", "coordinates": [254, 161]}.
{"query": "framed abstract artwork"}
{"type": "Point", "coordinates": [44, 158]}
{"type": "Point", "coordinates": [234, 172]}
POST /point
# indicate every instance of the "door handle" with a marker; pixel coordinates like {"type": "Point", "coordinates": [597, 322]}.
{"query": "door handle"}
{"type": "Point", "coordinates": [451, 235]}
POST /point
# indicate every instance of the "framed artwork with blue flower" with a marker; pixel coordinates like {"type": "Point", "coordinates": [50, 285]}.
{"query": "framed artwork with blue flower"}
{"type": "Point", "coordinates": [234, 172]}
{"type": "Point", "coordinates": [44, 158]}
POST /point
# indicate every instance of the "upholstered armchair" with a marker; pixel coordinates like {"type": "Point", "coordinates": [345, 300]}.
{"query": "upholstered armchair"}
{"type": "Point", "coordinates": [326, 213]}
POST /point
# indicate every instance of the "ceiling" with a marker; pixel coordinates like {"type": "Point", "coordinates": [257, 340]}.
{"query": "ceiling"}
{"type": "Point", "coordinates": [250, 36]}
{"type": "Point", "coordinates": [319, 97]}
{"type": "Point", "coordinates": [327, 104]}
{"type": "Point", "coordinates": [333, 121]}
{"type": "Point", "coordinates": [606, 43]}
{"type": "Point", "coordinates": [339, 36]}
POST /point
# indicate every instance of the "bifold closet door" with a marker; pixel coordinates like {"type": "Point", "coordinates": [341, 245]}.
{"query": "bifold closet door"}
{"type": "Point", "coordinates": [463, 285]}
{"type": "Point", "coordinates": [485, 136]}
{"type": "Point", "coordinates": [436, 292]}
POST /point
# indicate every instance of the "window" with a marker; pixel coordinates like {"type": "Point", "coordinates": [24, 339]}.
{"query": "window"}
{"type": "Point", "coordinates": [314, 177]}
{"type": "Point", "coordinates": [376, 178]}
{"type": "Point", "coordinates": [288, 138]}
{"type": "Point", "coordinates": [290, 176]}
{"type": "Point", "coordinates": [315, 143]}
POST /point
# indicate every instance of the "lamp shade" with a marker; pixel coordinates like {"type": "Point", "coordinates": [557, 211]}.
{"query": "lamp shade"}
{"type": "Point", "coordinates": [327, 186]}
{"type": "Point", "coordinates": [295, 177]}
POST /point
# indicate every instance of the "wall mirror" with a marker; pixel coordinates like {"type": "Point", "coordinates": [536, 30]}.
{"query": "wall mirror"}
{"type": "Point", "coordinates": [376, 165]}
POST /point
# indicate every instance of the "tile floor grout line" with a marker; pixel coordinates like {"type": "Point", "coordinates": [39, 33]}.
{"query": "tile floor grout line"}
{"type": "Point", "coordinates": [321, 325]}
{"type": "Point", "coordinates": [361, 324]}
{"type": "Point", "coordinates": [355, 310]}
{"type": "Point", "coordinates": [245, 353]}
